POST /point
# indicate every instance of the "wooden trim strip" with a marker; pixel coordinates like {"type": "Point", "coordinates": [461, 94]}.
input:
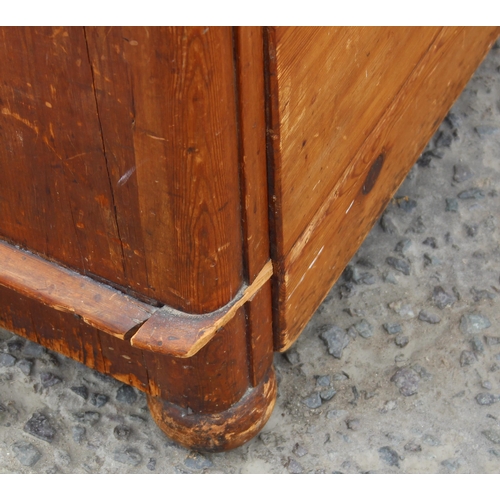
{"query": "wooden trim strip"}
{"type": "Point", "coordinates": [98, 305]}
{"type": "Point", "coordinates": [179, 334]}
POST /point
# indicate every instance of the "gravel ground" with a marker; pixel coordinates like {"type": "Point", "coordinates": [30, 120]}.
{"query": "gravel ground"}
{"type": "Point", "coordinates": [397, 372]}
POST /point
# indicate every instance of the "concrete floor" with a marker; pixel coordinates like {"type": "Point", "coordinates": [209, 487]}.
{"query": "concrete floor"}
{"type": "Point", "coordinates": [424, 400]}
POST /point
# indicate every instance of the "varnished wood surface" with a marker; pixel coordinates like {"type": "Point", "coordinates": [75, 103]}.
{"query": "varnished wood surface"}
{"type": "Point", "coordinates": [120, 157]}
{"type": "Point", "coordinates": [212, 380]}
{"type": "Point", "coordinates": [167, 108]}
{"type": "Point", "coordinates": [249, 56]}
{"type": "Point", "coordinates": [332, 236]}
{"type": "Point", "coordinates": [329, 88]}
{"type": "Point", "coordinates": [51, 285]}
{"type": "Point", "coordinates": [56, 197]}
{"type": "Point", "coordinates": [182, 335]}
{"type": "Point", "coordinates": [67, 333]}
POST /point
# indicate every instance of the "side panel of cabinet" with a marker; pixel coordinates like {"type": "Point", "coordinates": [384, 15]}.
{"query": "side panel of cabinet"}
{"type": "Point", "coordinates": [341, 99]}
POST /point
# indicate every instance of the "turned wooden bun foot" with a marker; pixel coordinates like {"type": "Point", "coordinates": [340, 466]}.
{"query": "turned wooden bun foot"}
{"type": "Point", "coordinates": [218, 431]}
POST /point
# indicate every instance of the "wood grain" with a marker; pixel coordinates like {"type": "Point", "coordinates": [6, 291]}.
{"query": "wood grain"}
{"type": "Point", "coordinates": [329, 88]}
{"type": "Point", "coordinates": [167, 108]}
{"type": "Point", "coordinates": [64, 290]}
{"type": "Point", "coordinates": [346, 215]}
{"type": "Point", "coordinates": [56, 197]}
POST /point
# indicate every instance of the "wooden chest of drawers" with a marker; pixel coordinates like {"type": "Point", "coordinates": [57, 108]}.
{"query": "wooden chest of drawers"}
{"type": "Point", "coordinates": [175, 203]}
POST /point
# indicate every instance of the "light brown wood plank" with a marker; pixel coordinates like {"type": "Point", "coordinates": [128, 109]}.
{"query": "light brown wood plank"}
{"type": "Point", "coordinates": [58, 288]}
{"type": "Point", "coordinates": [347, 213]}
{"type": "Point", "coordinates": [330, 87]}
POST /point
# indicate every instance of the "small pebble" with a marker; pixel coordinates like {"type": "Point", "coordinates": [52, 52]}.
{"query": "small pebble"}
{"type": "Point", "coordinates": [364, 329]}
{"type": "Point", "coordinates": [336, 339]}
{"type": "Point", "coordinates": [413, 447]}
{"type": "Point", "coordinates": [313, 400]}
{"type": "Point", "coordinates": [353, 424]}
{"type": "Point", "coordinates": [472, 194]}
{"type": "Point", "coordinates": [451, 205]}
{"type": "Point", "coordinates": [39, 426]}
{"type": "Point", "coordinates": [62, 458]}
{"type": "Point", "coordinates": [486, 384]}
{"type": "Point", "coordinates": [417, 226]}
{"type": "Point", "coordinates": [33, 350]}
{"type": "Point", "coordinates": [442, 298]}
{"type": "Point", "coordinates": [401, 265]}
{"type": "Point", "coordinates": [299, 450]}
{"type": "Point", "coordinates": [392, 328]}
{"type": "Point", "coordinates": [121, 432]}
{"type": "Point", "coordinates": [98, 400]}
{"type": "Point", "coordinates": [430, 241]}
{"type": "Point", "coordinates": [48, 379]}
{"type": "Point", "coordinates": [327, 394]}
{"type": "Point", "coordinates": [467, 358]}
{"type": "Point", "coordinates": [477, 345]}
{"type": "Point", "coordinates": [389, 277]}
{"type": "Point", "coordinates": [429, 317]}
{"type": "Point", "coordinates": [403, 245]}
{"type": "Point", "coordinates": [474, 323]}
{"type": "Point", "coordinates": [389, 455]}
{"type": "Point", "coordinates": [387, 224]}
{"type": "Point", "coordinates": [151, 464]}
{"type": "Point", "coordinates": [128, 456]}
{"type": "Point", "coordinates": [27, 454]}
{"type": "Point", "coordinates": [471, 230]}
{"type": "Point", "coordinates": [406, 381]}
{"type": "Point", "coordinates": [78, 433]}
{"type": "Point", "coordinates": [323, 381]}
{"type": "Point", "coordinates": [15, 345]}
{"type": "Point", "coordinates": [401, 340]}
{"type": "Point", "coordinates": [81, 391]}
{"type": "Point", "coordinates": [406, 204]}
{"type": "Point", "coordinates": [25, 365]}
{"type": "Point", "coordinates": [7, 359]}
{"type": "Point", "coordinates": [403, 309]}
{"type": "Point", "coordinates": [292, 356]}
{"type": "Point", "coordinates": [451, 465]}
{"type": "Point", "coordinates": [461, 173]}
{"type": "Point", "coordinates": [126, 394]}
{"type": "Point", "coordinates": [294, 467]}
{"type": "Point", "coordinates": [492, 341]}
{"type": "Point", "coordinates": [486, 399]}
{"type": "Point", "coordinates": [493, 435]}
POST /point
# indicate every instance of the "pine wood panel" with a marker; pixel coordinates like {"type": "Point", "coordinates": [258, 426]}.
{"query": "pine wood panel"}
{"type": "Point", "coordinates": [329, 88]}
{"type": "Point", "coordinates": [167, 107]}
{"type": "Point", "coordinates": [55, 196]}
{"type": "Point", "coordinates": [348, 212]}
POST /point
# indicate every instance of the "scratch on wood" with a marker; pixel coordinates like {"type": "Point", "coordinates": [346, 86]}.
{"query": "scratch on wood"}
{"type": "Point", "coordinates": [126, 176]}
{"type": "Point", "coordinates": [8, 112]}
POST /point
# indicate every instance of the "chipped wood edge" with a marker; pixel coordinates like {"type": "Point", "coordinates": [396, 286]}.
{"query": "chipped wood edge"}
{"type": "Point", "coordinates": [205, 333]}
